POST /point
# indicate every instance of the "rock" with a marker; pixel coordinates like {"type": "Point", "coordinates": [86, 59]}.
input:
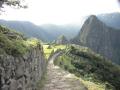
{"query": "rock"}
{"type": "Point", "coordinates": [22, 73]}
{"type": "Point", "coordinates": [13, 84]}
{"type": "Point", "coordinates": [5, 87]}
{"type": "Point", "coordinates": [100, 38]}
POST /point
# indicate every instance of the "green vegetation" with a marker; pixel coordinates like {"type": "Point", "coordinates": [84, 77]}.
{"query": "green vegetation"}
{"type": "Point", "coordinates": [14, 43]}
{"type": "Point", "coordinates": [41, 83]}
{"type": "Point", "coordinates": [90, 66]}
{"type": "Point", "coordinates": [32, 42]}
{"type": "Point", "coordinates": [48, 49]}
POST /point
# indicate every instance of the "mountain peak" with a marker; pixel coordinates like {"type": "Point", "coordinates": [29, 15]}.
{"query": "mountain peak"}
{"type": "Point", "coordinates": [101, 38]}
{"type": "Point", "coordinates": [62, 40]}
{"type": "Point", "coordinates": [62, 37]}
{"type": "Point", "coordinates": [92, 17]}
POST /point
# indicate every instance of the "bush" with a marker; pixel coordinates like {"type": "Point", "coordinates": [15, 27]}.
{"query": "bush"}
{"type": "Point", "coordinates": [13, 43]}
{"type": "Point", "coordinates": [12, 47]}
{"type": "Point", "coordinates": [90, 66]}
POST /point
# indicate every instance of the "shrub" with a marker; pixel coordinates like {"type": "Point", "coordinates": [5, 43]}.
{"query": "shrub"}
{"type": "Point", "coordinates": [90, 66]}
{"type": "Point", "coordinates": [14, 43]}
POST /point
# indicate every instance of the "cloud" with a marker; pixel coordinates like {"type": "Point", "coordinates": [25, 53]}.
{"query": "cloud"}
{"type": "Point", "coordinates": [61, 11]}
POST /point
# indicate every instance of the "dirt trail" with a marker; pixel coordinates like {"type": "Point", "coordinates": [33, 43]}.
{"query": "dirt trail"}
{"type": "Point", "coordinates": [58, 79]}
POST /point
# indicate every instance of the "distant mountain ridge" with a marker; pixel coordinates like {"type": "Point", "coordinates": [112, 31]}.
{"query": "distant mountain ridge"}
{"type": "Point", "coordinates": [29, 29]}
{"type": "Point", "coordinates": [50, 32]}
{"type": "Point", "coordinates": [100, 38]}
{"type": "Point", "coordinates": [111, 19]}
{"type": "Point", "coordinates": [46, 33]}
{"type": "Point", "coordinates": [69, 31]}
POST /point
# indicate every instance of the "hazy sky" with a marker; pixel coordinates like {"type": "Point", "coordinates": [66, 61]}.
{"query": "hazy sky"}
{"type": "Point", "coordinates": [60, 11]}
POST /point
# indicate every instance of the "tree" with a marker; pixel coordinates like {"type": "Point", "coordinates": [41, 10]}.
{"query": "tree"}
{"type": "Point", "coordinates": [12, 3]}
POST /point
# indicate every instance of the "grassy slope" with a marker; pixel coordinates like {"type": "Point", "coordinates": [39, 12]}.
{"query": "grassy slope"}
{"type": "Point", "coordinates": [96, 72]}
{"type": "Point", "coordinates": [50, 48]}
{"type": "Point", "coordinates": [14, 43]}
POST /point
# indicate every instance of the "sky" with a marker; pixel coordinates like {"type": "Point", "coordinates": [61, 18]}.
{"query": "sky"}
{"type": "Point", "coordinates": [59, 11]}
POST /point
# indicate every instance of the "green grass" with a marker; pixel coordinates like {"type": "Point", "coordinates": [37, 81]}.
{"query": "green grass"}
{"type": "Point", "coordinates": [91, 85]}
{"type": "Point", "coordinates": [47, 51]}
{"type": "Point", "coordinates": [59, 47]}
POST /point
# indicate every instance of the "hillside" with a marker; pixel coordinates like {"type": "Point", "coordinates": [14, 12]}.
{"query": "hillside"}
{"type": "Point", "coordinates": [88, 65]}
{"type": "Point", "coordinates": [100, 38]}
{"type": "Point", "coordinates": [22, 62]}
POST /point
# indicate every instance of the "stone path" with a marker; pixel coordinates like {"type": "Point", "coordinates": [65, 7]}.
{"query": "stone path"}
{"type": "Point", "coordinates": [58, 79]}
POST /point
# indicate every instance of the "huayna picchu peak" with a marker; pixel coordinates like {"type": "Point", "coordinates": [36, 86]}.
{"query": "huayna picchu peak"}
{"type": "Point", "coordinates": [100, 38]}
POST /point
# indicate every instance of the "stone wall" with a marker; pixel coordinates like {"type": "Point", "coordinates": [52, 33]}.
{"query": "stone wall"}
{"type": "Point", "coordinates": [23, 72]}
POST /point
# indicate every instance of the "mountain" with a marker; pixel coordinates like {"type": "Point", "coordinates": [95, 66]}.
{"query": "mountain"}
{"type": "Point", "coordinates": [69, 31]}
{"type": "Point", "coordinates": [62, 40]}
{"type": "Point", "coordinates": [46, 32]}
{"type": "Point", "coordinates": [100, 38]}
{"type": "Point", "coordinates": [111, 19]}
{"type": "Point", "coordinates": [29, 29]}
